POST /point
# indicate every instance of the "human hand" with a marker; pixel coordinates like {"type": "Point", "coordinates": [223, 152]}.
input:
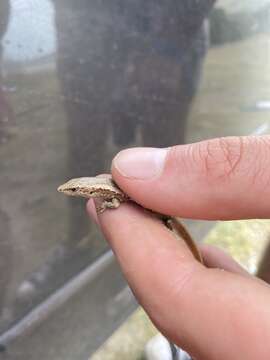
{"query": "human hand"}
{"type": "Point", "coordinates": [216, 312]}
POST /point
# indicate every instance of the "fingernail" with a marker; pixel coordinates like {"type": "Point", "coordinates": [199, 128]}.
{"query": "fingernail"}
{"type": "Point", "coordinates": [140, 163]}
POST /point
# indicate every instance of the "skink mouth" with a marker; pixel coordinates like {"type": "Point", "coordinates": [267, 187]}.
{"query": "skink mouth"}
{"type": "Point", "coordinates": [67, 190]}
{"type": "Point", "coordinates": [62, 188]}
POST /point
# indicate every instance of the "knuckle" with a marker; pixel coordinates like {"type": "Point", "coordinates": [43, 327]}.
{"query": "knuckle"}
{"type": "Point", "coordinates": [221, 158]}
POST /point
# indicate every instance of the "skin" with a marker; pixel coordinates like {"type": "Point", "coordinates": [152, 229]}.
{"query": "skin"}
{"type": "Point", "coordinates": [214, 312]}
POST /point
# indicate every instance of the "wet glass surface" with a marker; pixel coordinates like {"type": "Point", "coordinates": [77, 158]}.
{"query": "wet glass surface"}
{"type": "Point", "coordinates": [80, 80]}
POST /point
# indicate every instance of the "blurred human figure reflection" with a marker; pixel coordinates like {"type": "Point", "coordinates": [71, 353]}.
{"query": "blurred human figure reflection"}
{"type": "Point", "coordinates": [129, 71]}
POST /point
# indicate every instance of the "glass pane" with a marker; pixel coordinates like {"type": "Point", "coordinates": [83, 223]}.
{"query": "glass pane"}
{"type": "Point", "coordinates": [79, 81]}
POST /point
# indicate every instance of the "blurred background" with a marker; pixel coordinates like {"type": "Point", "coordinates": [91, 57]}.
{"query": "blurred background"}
{"type": "Point", "coordinates": [79, 81]}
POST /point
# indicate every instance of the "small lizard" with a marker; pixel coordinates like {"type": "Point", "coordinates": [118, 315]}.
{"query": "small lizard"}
{"type": "Point", "coordinates": [112, 196]}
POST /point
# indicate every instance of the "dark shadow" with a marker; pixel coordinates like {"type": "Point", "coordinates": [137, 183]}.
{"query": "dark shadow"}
{"type": "Point", "coordinates": [263, 271]}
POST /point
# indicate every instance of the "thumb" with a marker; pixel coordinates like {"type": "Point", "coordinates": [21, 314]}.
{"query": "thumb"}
{"type": "Point", "coordinates": [225, 178]}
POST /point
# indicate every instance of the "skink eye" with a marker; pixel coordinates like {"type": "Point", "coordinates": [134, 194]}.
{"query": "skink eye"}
{"type": "Point", "coordinates": [73, 189]}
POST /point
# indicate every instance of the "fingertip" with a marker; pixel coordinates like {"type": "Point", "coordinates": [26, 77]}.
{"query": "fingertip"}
{"type": "Point", "coordinates": [215, 257]}
{"type": "Point", "coordinates": [141, 163]}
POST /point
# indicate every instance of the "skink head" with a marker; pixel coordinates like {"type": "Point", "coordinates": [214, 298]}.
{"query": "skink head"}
{"type": "Point", "coordinates": [78, 187]}
{"type": "Point", "coordinates": [91, 187]}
